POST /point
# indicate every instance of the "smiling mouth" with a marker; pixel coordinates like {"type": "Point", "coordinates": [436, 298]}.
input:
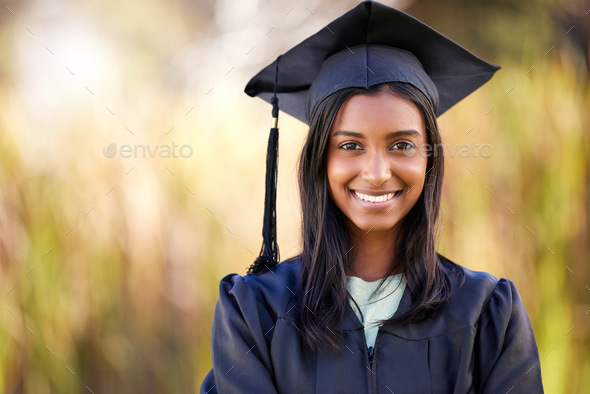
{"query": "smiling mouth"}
{"type": "Point", "coordinates": [376, 199]}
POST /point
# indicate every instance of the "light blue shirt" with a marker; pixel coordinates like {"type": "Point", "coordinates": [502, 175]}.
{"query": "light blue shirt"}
{"type": "Point", "coordinates": [374, 307]}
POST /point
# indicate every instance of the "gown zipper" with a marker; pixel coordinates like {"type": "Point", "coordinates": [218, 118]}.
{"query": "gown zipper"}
{"type": "Point", "coordinates": [372, 366]}
{"type": "Point", "coordinates": [371, 351]}
{"type": "Point", "coordinates": [371, 360]}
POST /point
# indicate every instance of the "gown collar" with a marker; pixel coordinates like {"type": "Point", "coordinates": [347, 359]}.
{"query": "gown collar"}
{"type": "Point", "coordinates": [350, 322]}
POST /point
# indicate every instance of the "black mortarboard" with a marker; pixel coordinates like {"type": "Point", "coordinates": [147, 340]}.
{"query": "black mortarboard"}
{"type": "Point", "coordinates": [369, 45]}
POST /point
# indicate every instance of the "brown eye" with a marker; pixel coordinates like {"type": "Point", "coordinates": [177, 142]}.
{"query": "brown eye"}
{"type": "Point", "coordinates": [350, 146]}
{"type": "Point", "coordinates": [403, 146]}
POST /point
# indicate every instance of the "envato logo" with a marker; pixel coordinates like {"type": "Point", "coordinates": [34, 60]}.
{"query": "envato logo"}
{"type": "Point", "coordinates": [463, 150]}
{"type": "Point", "coordinates": [127, 151]}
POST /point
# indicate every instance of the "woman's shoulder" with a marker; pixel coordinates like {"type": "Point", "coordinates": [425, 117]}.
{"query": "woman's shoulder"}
{"type": "Point", "coordinates": [465, 279]}
{"type": "Point", "coordinates": [476, 293]}
{"type": "Point", "coordinates": [284, 274]}
{"type": "Point", "coordinates": [275, 290]}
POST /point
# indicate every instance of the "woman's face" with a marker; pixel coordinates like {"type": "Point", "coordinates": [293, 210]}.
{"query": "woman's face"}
{"type": "Point", "coordinates": [375, 165]}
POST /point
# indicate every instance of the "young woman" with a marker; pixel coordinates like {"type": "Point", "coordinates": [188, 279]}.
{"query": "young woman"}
{"type": "Point", "coordinates": [369, 306]}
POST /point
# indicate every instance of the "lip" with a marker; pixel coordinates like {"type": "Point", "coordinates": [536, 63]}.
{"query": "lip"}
{"type": "Point", "coordinates": [376, 206]}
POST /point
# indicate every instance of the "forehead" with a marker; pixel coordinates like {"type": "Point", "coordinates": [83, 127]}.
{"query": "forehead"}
{"type": "Point", "coordinates": [381, 112]}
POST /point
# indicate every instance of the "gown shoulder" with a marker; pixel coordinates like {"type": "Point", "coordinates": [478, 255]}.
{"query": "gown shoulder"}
{"type": "Point", "coordinates": [505, 351]}
{"type": "Point", "coordinates": [243, 327]}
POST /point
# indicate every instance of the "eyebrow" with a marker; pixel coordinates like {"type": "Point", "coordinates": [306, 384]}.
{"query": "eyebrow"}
{"type": "Point", "coordinates": [393, 134]}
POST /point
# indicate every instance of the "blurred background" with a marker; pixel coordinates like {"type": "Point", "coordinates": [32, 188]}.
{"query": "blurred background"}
{"type": "Point", "coordinates": [132, 177]}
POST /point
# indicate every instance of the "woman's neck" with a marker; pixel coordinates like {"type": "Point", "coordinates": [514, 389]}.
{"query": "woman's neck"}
{"type": "Point", "coordinates": [374, 253]}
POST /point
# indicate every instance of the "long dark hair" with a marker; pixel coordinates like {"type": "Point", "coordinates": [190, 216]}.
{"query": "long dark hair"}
{"type": "Point", "coordinates": [327, 240]}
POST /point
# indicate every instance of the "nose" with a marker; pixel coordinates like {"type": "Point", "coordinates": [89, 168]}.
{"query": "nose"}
{"type": "Point", "coordinates": [376, 169]}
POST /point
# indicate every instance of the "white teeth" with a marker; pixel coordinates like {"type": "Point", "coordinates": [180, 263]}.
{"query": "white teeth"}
{"type": "Point", "coordinates": [382, 198]}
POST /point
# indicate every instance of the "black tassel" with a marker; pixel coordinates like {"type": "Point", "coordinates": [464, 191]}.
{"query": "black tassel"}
{"type": "Point", "coordinates": [269, 253]}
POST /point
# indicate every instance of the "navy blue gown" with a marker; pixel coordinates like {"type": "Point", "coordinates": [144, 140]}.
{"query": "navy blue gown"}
{"type": "Point", "coordinates": [480, 341]}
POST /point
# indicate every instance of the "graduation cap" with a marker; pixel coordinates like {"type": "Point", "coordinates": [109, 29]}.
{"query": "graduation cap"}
{"type": "Point", "coordinates": [369, 45]}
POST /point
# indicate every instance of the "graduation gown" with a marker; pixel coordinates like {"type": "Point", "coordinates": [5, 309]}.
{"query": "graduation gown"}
{"type": "Point", "coordinates": [480, 341]}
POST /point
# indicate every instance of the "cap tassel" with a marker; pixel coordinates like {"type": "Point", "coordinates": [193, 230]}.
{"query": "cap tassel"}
{"type": "Point", "coordinates": [269, 253]}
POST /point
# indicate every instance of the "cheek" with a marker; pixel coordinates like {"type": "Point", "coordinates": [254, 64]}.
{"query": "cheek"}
{"type": "Point", "coordinates": [413, 173]}
{"type": "Point", "coordinates": [340, 171]}
{"type": "Point", "coordinates": [412, 170]}
{"type": "Point", "coordinates": [330, 174]}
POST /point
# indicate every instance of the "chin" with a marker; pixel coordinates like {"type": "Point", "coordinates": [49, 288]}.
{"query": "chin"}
{"type": "Point", "coordinates": [374, 226]}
